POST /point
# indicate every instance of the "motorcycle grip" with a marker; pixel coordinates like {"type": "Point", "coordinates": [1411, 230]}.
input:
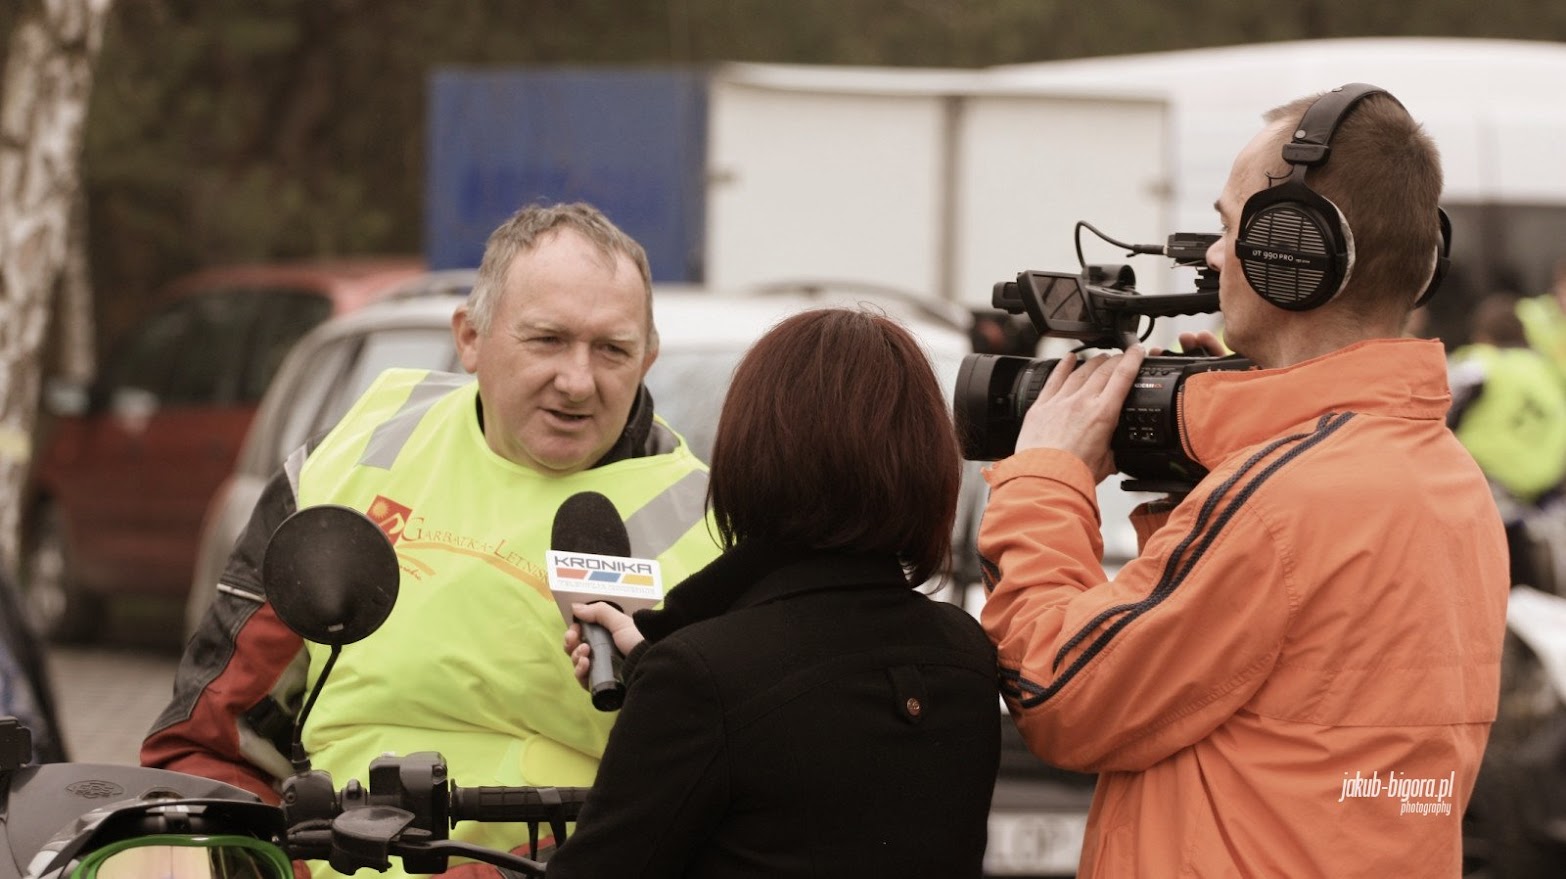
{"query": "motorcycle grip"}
{"type": "Point", "coordinates": [517, 804]}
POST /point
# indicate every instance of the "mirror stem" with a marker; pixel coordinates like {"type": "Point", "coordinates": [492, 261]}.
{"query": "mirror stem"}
{"type": "Point", "coordinates": [299, 759]}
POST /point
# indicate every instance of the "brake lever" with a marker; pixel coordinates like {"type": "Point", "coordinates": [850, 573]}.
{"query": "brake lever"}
{"type": "Point", "coordinates": [455, 848]}
{"type": "Point", "coordinates": [372, 835]}
{"type": "Point", "coordinates": [369, 836]}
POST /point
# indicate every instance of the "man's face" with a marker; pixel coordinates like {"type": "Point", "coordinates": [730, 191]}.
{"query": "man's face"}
{"type": "Point", "coordinates": [566, 348]}
{"type": "Point", "coordinates": [1245, 313]}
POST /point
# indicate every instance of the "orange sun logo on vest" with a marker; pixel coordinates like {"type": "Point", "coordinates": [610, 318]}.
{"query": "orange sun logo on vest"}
{"type": "Point", "coordinates": [391, 516]}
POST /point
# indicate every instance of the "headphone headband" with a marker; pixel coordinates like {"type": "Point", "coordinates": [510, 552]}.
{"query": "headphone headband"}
{"type": "Point", "coordinates": [1312, 142]}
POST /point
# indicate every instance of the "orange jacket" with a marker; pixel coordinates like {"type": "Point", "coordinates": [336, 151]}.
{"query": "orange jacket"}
{"type": "Point", "coordinates": [1297, 675]}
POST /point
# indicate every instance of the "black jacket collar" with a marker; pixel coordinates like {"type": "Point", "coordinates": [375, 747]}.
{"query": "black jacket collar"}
{"type": "Point", "coordinates": [638, 427]}
{"type": "Point", "coordinates": [755, 572]}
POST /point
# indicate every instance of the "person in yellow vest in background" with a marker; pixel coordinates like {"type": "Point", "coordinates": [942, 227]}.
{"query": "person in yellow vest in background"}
{"type": "Point", "coordinates": [465, 478]}
{"type": "Point", "coordinates": [1544, 321]}
{"type": "Point", "coordinates": [1509, 411]}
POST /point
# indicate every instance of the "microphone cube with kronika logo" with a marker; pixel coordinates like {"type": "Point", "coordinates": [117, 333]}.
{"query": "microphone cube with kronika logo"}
{"type": "Point", "coordinates": [627, 583]}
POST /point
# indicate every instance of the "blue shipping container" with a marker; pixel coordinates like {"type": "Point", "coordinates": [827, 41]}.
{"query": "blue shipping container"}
{"type": "Point", "coordinates": [630, 141]}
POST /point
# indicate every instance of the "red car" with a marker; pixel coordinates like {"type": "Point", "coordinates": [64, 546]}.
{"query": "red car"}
{"type": "Point", "coordinates": [129, 464]}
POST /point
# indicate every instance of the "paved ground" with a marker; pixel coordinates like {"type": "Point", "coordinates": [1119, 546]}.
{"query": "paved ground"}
{"type": "Point", "coordinates": [109, 693]}
{"type": "Point", "coordinates": [108, 698]}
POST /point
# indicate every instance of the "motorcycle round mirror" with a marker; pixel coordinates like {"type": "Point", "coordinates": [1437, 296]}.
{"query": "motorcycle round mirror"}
{"type": "Point", "coordinates": [331, 574]}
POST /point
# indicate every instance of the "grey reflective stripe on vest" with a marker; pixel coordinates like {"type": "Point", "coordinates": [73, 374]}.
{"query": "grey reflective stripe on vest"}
{"type": "Point", "coordinates": [392, 434]}
{"type": "Point", "coordinates": [661, 440]}
{"type": "Point", "coordinates": [292, 465]}
{"type": "Point", "coordinates": [662, 521]}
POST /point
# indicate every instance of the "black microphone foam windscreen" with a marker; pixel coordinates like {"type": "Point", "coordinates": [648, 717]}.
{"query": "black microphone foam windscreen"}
{"type": "Point", "coordinates": [589, 523]}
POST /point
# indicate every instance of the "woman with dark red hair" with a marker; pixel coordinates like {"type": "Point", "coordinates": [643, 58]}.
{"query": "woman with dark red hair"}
{"type": "Point", "coordinates": [797, 708]}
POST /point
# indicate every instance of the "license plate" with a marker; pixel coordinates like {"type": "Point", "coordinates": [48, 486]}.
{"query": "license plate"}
{"type": "Point", "coordinates": [1031, 843]}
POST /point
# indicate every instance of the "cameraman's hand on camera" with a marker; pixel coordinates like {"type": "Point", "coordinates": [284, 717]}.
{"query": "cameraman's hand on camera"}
{"type": "Point", "coordinates": [1078, 408]}
{"type": "Point", "coordinates": [1202, 342]}
{"type": "Point", "coordinates": [621, 628]}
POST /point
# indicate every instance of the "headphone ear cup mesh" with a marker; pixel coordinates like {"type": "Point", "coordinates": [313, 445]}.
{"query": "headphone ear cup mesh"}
{"type": "Point", "coordinates": [1291, 248]}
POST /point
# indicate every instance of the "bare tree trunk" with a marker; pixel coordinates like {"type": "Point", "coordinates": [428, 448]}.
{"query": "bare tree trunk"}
{"type": "Point", "coordinates": [43, 105]}
{"type": "Point", "coordinates": [74, 331]}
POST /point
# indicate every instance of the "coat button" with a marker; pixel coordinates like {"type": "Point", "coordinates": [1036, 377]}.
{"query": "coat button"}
{"type": "Point", "coordinates": [913, 706]}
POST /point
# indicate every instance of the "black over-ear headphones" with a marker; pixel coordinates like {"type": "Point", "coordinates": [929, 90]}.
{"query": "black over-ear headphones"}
{"type": "Point", "coordinates": [1294, 245]}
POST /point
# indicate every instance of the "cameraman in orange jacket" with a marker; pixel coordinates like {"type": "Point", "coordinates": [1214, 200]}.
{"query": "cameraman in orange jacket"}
{"type": "Point", "coordinates": [1297, 674]}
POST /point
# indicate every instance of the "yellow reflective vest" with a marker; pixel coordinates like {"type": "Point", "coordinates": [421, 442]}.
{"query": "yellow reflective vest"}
{"type": "Point", "coordinates": [1545, 327]}
{"type": "Point", "coordinates": [1516, 425]}
{"type": "Point", "coordinates": [470, 662]}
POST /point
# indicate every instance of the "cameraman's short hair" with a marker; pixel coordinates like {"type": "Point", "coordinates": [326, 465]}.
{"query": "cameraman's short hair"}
{"type": "Point", "coordinates": [526, 228]}
{"type": "Point", "coordinates": [1384, 174]}
{"type": "Point", "coordinates": [835, 435]}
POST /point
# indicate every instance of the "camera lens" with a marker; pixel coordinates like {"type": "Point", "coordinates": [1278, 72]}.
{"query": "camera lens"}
{"type": "Point", "coordinates": [1030, 381]}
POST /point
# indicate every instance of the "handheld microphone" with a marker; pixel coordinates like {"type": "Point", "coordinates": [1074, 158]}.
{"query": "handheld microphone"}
{"type": "Point", "coordinates": [589, 560]}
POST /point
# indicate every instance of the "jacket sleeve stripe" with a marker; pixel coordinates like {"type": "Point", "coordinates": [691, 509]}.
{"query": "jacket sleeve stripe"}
{"type": "Point", "coordinates": [1170, 567]}
{"type": "Point", "coordinates": [1178, 566]}
{"type": "Point", "coordinates": [1171, 572]}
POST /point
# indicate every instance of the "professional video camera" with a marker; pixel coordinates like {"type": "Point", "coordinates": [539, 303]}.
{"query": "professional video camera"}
{"type": "Point", "coordinates": [1101, 308]}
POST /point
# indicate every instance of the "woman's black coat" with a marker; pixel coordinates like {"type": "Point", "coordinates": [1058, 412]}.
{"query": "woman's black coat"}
{"type": "Point", "coordinates": [796, 716]}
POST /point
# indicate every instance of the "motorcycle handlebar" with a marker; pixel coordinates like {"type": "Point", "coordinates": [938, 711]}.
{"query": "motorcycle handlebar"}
{"type": "Point", "coordinates": [517, 804]}
{"type": "Point", "coordinates": [405, 812]}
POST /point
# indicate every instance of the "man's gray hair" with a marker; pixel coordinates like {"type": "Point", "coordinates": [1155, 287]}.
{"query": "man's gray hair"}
{"type": "Point", "coordinates": [523, 232]}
